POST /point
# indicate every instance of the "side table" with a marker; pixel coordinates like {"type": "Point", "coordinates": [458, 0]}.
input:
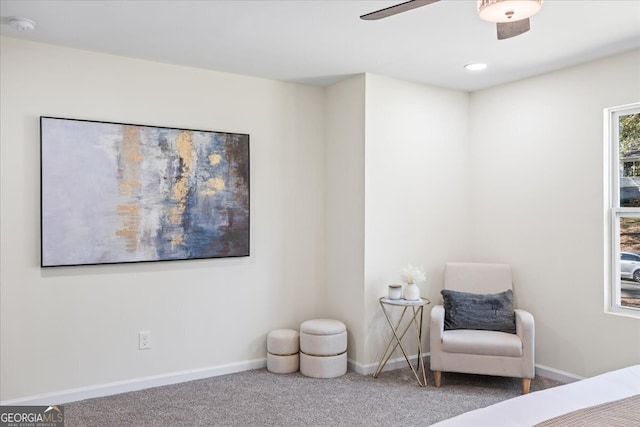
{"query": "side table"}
{"type": "Point", "coordinates": [415, 310]}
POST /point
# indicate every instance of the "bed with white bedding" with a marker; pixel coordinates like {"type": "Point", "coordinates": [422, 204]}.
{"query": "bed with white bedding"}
{"type": "Point", "coordinates": [613, 397]}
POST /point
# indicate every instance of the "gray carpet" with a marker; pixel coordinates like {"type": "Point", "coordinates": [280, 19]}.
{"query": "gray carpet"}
{"type": "Point", "coordinates": [260, 398]}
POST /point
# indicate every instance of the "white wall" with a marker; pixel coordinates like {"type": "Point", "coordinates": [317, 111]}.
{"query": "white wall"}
{"type": "Point", "coordinates": [417, 192]}
{"type": "Point", "coordinates": [77, 326]}
{"type": "Point", "coordinates": [537, 203]}
{"type": "Point", "coordinates": [409, 174]}
{"type": "Point", "coordinates": [397, 193]}
{"type": "Point", "coordinates": [344, 288]}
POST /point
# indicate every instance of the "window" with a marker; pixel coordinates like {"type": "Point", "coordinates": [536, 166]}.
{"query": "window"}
{"type": "Point", "coordinates": [623, 145]}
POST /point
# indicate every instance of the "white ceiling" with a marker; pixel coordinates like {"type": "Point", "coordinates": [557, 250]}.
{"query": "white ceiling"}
{"type": "Point", "coordinates": [319, 42]}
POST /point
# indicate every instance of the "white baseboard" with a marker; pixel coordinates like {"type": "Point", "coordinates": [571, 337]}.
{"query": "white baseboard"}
{"type": "Point", "coordinates": [556, 374]}
{"type": "Point", "coordinates": [392, 364]}
{"type": "Point", "coordinates": [99, 390]}
{"type": "Point", "coordinates": [400, 362]}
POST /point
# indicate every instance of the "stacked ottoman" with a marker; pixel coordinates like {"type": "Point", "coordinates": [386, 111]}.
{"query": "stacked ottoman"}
{"type": "Point", "coordinates": [282, 351]}
{"type": "Point", "coordinates": [323, 348]}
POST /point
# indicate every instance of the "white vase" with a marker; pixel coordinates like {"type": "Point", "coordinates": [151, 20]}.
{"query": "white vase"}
{"type": "Point", "coordinates": [412, 292]}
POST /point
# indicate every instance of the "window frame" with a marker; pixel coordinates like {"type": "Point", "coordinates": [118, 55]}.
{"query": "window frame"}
{"type": "Point", "coordinates": [613, 211]}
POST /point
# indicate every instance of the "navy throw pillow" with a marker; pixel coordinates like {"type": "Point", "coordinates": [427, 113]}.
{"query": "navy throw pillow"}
{"type": "Point", "coordinates": [489, 312]}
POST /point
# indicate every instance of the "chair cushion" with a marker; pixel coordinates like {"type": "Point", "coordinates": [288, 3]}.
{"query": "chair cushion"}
{"type": "Point", "coordinates": [489, 312]}
{"type": "Point", "coordinates": [490, 343]}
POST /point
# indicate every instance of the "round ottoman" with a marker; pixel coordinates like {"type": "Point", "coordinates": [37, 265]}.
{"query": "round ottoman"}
{"type": "Point", "coordinates": [282, 351]}
{"type": "Point", "coordinates": [323, 348]}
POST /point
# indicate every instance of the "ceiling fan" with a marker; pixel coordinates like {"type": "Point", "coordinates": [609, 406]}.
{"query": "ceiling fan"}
{"type": "Point", "coordinates": [511, 16]}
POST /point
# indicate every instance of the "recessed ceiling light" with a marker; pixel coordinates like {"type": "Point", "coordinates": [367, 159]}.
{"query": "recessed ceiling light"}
{"type": "Point", "coordinates": [475, 67]}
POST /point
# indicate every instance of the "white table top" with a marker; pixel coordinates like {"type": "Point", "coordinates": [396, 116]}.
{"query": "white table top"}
{"type": "Point", "coordinates": [405, 302]}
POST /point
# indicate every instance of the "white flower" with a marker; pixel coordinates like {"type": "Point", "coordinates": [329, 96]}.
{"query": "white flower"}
{"type": "Point", "coordinates": [411, 274]}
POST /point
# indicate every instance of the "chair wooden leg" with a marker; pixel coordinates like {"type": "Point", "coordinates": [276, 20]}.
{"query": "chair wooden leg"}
{"type": "Point", "coordinates": [437, 376]}
{"type": "Point", "coordinates": [526, 385]}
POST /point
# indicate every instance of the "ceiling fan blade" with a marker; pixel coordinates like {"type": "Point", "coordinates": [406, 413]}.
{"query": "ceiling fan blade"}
{"type": "Point", "coordinates": [511, 29]}
{"type": "Point", "coordinates": [393, 10]}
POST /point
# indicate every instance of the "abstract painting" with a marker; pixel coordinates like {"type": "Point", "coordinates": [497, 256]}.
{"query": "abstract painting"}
{"type": "Point", "coordinates": [117, 193]}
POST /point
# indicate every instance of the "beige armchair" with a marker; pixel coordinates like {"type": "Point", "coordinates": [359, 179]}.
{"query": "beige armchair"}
{"type": "Point", "coordinates": [486, 352]}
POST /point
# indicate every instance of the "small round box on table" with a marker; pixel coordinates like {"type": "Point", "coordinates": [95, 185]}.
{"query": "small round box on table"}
{"type": "Point", "coordinates": [323, 348]}
{"type": "Point", "coordinates": [283, 351]}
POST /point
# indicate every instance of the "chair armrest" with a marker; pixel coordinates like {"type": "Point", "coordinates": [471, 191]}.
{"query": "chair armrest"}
{"type": "Point", "coordinates": [436, 326]}
{"type": "Point", "coordinates": [436, 333]}
{"type": "Point", "coordinates": [525, 329]}
{"type": "Point", "coordinates": [525, 325]}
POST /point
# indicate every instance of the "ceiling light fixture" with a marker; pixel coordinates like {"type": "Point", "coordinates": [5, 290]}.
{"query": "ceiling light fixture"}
{"type": "Point", "coordinates": [508, 10]}
{"type": "Point", "coordinates": [22, 25]}
{"type": "Point", "coordinates": [476, 67]}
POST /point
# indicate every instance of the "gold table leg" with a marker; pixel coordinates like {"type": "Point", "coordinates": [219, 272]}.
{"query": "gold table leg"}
{"type": "Point", "coordinates": [416, 310]}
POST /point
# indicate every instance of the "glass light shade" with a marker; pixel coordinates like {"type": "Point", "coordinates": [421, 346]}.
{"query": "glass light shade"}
{"type": "Point", "coordinates": [508, 10]}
